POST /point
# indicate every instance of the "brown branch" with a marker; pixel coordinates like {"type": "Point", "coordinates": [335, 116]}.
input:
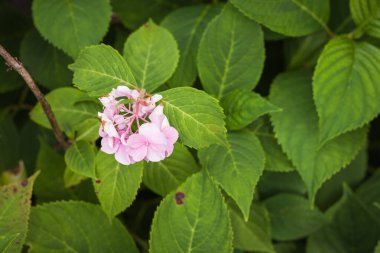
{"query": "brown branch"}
{"type": "Point", "coordinates": [16, 65]}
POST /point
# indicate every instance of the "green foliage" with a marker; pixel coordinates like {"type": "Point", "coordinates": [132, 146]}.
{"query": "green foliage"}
{"type": "Point", "coordinates": [100, 68]}
{"type": "Point", "coordinates": [190, 215]}
{"type": "Point", "coordinates": [167, 175]}
{"type": "Point", "coordinates": [67, 24]}
{"type": "Point", "coordinates": [346, 95]}
{"type": "Point", "coordinates": [15, 201]}
{"type": "Point", "coordinates": [229, 57]}
{"type": "Point", "coordinates": [297, 131]}
{"type": "Point", "coordinates": [366, 14]}
{"type": "Point", "coordinates": [187, 26]}
{"type": "Point", "coordinates": [289, 17]}
{"type": "Point", "coordinates": [292, 218]}
{"type": "Point", "coordinates": [80, 158]}
{"type": "Point", "coordinates": [200, 124]}
{"type": "Point", "coordinates": [77, 227]}
{"type": "Point", "coordinates": [152, 54]}
{"type": "Point", "coordinates": [116, 184]}
{"type": "Point", "coordinates": [242, 160]}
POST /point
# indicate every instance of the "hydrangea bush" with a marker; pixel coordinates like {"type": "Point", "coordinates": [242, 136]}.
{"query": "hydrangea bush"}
{"type": "Point", "coordinates": [190, 126]}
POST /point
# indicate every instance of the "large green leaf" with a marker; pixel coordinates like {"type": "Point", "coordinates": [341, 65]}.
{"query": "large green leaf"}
{"type": "Point", "coordinates": [167, 175]}
{"type": "Point", "coordinates": [152, 54]}
{"type": "Point", "coordinates": [346, 90]}
{"type": "Point", "coordinates": [80, 158]}
{"type": "Point", "coordinates": [296, 128]}
{"type": "Point", "coordinates": [366, 14]}
{"type": "Point", "coordinates": [197, 116]}
{"type": "Point", "coordinates": [68, 25]}
{"type": "Point", "coordinates": [192, 219]}
{"type": "Point", "coordinates": [242, 108]}
{"type": "Point", "coordinates": [68, 112]}
{"type": "Point", "coordinates": [76, 227]}
{"type": "Point", "coordinates": [292, 218]}
{"type": "Point", "coordinates": [187, 25]}
{"type": "Point", "coordinates": [46, 64]}
{"type": "Point", "coordinates": [15, 202]}
{"type": "Point", "coordinates": [289, 17]}
{"type": "Point", "coordinates": [254, 234]}
{"type": "Point", "coordinates": [352, 229]}
{"type": "Point", "coordinates": [231, 53]}
{"type": "Point", "coordinates": [100, 68]}
{"type": "Point", "coordinates": [117, 184]}
{"type": "Point", "coordinates": [237, 167]}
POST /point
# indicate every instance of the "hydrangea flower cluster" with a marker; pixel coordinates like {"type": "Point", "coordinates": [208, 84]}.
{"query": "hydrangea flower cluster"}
{"type": "Point", "coordinates": [134, 128]}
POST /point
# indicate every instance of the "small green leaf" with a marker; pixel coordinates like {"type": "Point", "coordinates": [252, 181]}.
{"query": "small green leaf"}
{"type": "Point", "coordinates": [236, 167]}
{"type": "Point", "coordinates": [46, 64]}
{"type": "Point", "coordinates": [254, 234]}
{"type": "Point", "coordinates": [68, 25]}
{"type": "Point", "coordinates": [152, 54]}
{"type": "Point", "coordinates": [187, 25]}
{"type": "Point", "coordinates": [352, 228]}
{"type": "Point", "coordinates": [197, 116]}
{"type": "Point", "coordinates": [289, 17]}
{"type": "Point", "coordinates": [231, 53]}
{"type": "Point", "coordinates": [292, 218]}
{"type": "Point", "coordinates": [117, 184]}
{"type": "Point", "coordinates": [296, 129]}
{"type": "Point", "coordinates": [192, 219]}
{"type": "Point", "coordinates": [67, 111]}
{"type": "Point", "coordinates": [80, 158]}
{"type": "Point", "coordinates": [167, 175]}
{"type": "Point", "coordinates": [346, 91]}
{"type": "Point", "coordinates": [366, 14]}
{"type": "Point", "coordinates": [369, 194]}
{"type": "Point", "coordinates": [87, 130]}
{"type": "Point", "coordinates": [15, 202]}
{"type": "Point", "coordinates": [100, 68]}
{"type": "Point", "coordinates": [73, 226]}
{"type": "Point", "coordinates": [242, 108]}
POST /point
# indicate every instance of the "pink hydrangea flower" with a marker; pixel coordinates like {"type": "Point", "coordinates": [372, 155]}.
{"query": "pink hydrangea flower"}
{"type": "Point", "coordinates": [134, 128]}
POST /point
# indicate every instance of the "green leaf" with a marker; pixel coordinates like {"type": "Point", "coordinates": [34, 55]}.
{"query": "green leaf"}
{"type": "Point", "coordinates": [275, 158]}
{"type": "Point", "coordinates": [289, 17]}
{"type": "Point", "coordinates": [15, 202]}
{"type": "Point", "coordinates": [68, 25]}
{"type": "Point", "coordinates": [236, 167]}
{"type": "Point", "coordinates": [292, 218]}
{"type": "Point", "coordinates": [231, 53]}
{"type": "Point", "coordinates": [46, 64]}
{"type": "Point", "coordinates": [296, 129]}
{"type": "Point", "coordinates": [254, 234]}
{"type": "Point", "coordinates": [242, 108]}
{"type": "Point", "coordinates": [134, 13]}
{"type": "Point", "coordinates": [67, 111]}
{"type": "Point", "coordinates": [369, 194]}
{"type": "Point", "coordinates": [197, 116]}
{"type": "Point", "coordinates": [76, 227]}
{"type": "Point", "coordinates": [366, 14]}
{"type": "Point", "coordinates": [80, 158]}
{"type": "Point", "coordinates": [152, 54]}
{"type": "Point", "coordinates": [193, 219]}
{"type": "Point", "coordinates": [272, 183]}
{"type": "Point", "coordinates": [87, 130]}
{"type": "Point", "coordinates": [100, 68]}
{"type": "Point", "coordinates": [70, 178]}
{"type": "Point", "coordinates": [352, 229]}
{"type": "Point", "coordinates": [346, 93]}
{"type": "Point", "coordinates": [187, 25]}
{"type": "Point", "coordinates": [167, 175]}
{"type": "Point", "coordinates": [117, 184]}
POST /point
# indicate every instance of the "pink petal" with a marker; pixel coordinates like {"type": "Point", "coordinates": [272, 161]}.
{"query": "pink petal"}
{"type": "Point", "coordinates": [155, 98]}
{"type": "Point", "coordinates": [110, 129]}
{"type": "Point", "coordinates": [155, 154]}
{"type": "Point", "coordinates": [171, 134]}
{"type": "Point", "coordinates": [149, 130]}
{"type": "Point", "coordinates": [122, 156]}
{"type": "Point", "coordinates": [137, 146]}
{"type": "Point", "coordinates": [110, 145]}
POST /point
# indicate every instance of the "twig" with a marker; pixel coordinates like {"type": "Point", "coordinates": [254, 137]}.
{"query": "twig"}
{"type": "Point", "coordinates": [16, 65]}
